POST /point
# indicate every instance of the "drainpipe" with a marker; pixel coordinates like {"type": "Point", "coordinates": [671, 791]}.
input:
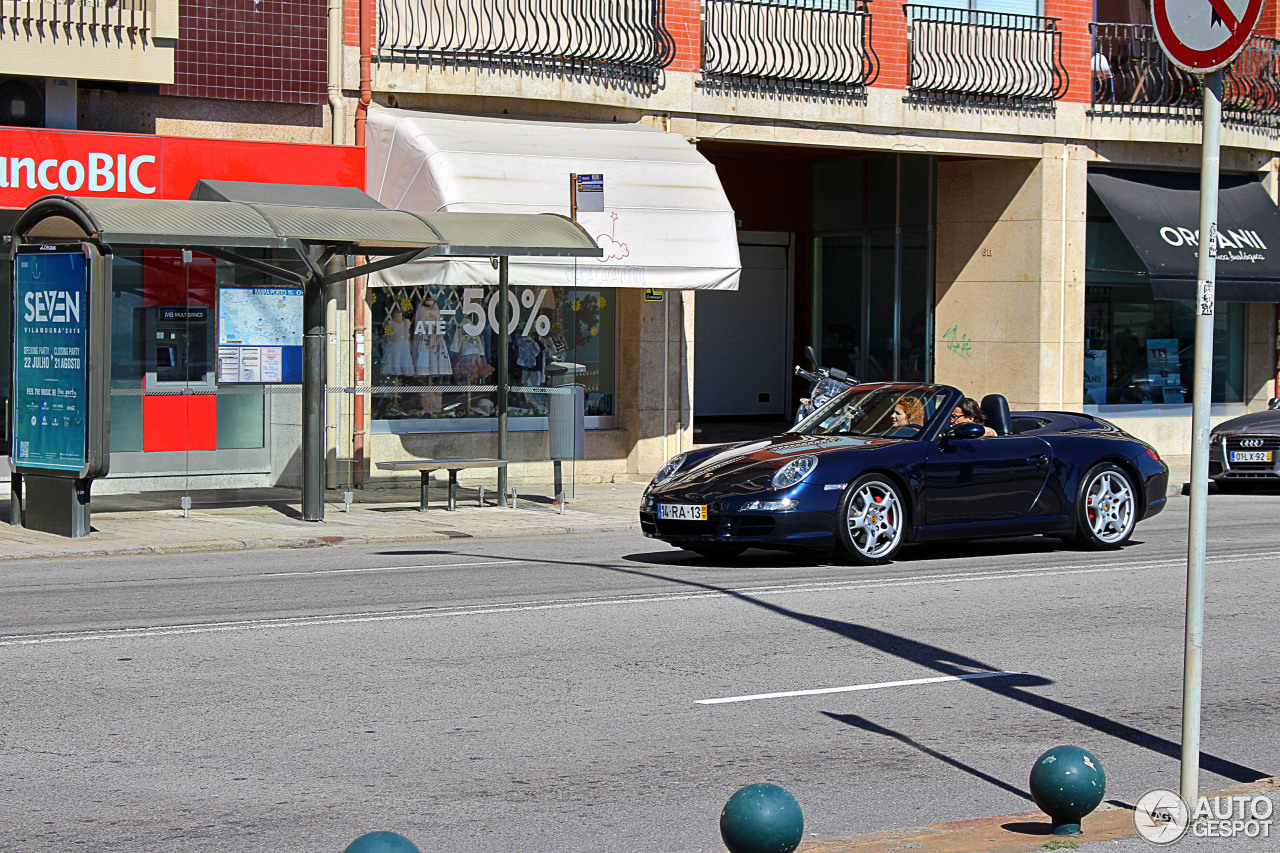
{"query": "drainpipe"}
{"type": "Point", "coordinates": [361, 308]}
{"type": "Point", "coordinates": [366, 73]}
{"type": "Point", "coordinates": [337, 106]}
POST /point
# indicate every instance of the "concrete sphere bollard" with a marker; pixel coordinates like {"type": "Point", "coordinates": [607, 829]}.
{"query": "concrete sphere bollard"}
{"type": "Point", "coordinates": [382, 842]}
{"type": "Point", "coordinates": [761, 818]}
{"type": "Point", "coordinates": [1067, 783]}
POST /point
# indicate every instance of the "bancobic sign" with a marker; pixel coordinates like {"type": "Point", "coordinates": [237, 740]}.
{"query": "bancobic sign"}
{"type": "Point", "coordinates": [35, 163]}
{"type": "Point", "coordinates": [102, 173]}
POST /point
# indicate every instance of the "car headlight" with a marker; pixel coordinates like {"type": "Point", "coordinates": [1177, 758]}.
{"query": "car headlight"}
{"type": "Point", "coordinates": [782, 505]}
{"type": "Point", "coordinates": [672, 466]}
{"type": "Point", "coordinates": [794, 471]}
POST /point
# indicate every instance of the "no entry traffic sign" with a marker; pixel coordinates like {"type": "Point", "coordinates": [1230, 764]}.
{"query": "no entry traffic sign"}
{"type": "Point", "coordinates": [1204, 35]}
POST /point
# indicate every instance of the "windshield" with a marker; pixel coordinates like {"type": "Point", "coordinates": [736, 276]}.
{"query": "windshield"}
{"type": "Point", "coordinates": [878, 411]}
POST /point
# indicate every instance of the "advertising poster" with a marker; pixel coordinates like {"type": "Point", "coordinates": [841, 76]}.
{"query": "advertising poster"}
{"type": "Point", "coordinates": [51, 365]}
{"type": "Point", "coordinates": [1095, 377]}
{"type": "Point", "coordinates": [1163, 366]}
{"type": "Point", "coordinates": [259, 334]}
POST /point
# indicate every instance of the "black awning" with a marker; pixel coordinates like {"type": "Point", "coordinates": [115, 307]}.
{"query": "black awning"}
{"type": "Point", "coordinates": [1159, 213]}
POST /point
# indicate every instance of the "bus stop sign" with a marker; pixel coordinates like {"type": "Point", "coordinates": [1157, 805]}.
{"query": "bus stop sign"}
{"type": "Point", "coordinates": [1204, 35]}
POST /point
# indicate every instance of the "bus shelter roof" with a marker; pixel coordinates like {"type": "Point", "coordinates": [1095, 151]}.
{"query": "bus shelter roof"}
{"type": "Point", "coordinates": [220, 228]}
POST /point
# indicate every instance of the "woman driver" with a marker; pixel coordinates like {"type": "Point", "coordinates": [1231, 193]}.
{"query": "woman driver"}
{"type": "Point", "coordinates": [908, 417]}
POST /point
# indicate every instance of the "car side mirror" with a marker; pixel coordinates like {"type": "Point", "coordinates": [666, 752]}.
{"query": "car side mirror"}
{"type": "Point", "coordinates": [967, 430]}
{"type": "Point", "coordinates": [1273, 403]}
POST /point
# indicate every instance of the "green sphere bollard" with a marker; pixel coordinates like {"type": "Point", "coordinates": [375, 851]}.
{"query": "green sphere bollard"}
{"type": "Point", "coordinates": [761, 818]}
{"type": "Point", "coordinates": [382, 842]}
{"type": "Point", "coordinates": [1067, 783]}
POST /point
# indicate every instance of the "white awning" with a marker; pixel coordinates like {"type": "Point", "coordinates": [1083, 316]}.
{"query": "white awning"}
{"type": "Point", "coordinates": [667, 223]}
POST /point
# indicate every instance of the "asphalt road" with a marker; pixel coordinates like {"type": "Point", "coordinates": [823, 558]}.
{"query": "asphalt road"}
{"type": "Point", "coordinates": [543, 694]}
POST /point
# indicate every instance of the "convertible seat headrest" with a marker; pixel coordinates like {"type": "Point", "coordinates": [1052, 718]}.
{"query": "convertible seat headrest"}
{"type": "Point", "coordinates": [995, 411]}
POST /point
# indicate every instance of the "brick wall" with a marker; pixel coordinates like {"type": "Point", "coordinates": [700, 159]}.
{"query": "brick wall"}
{"type": "Point", "coordinates": [251, 51]}
{"type": "Point", "coordinates": [1269, 23]}
{"type": "Point", "coordinates": [351, 22]}
{"type": "Point", "coordinates": [1077, 44]}
{"type": "Point", "coordinates": [684, 25]}
{"type": "Point", "coordinates": [889, 41]}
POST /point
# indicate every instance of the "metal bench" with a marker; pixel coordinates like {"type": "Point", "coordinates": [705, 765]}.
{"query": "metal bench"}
{"type": "Point", "coordinates": [453, 466]}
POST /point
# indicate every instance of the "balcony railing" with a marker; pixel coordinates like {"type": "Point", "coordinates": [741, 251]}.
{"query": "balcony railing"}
{"type": "Point", "coordinates": [619, 39]}
{"type": "Point", "coordinates": [1132, 76]}
{"type": "Point", "coordinates": [114, 19]}
{"type": "Point", "coordinates": [967, 57]}
{"type": "Point", "coordinates": [808, 48]}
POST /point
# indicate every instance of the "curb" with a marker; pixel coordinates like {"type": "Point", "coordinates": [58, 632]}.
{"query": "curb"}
{"type": "Point", "coordinates": [215, 545]}
{"type": "Point", "coordinates": [1013, 833]}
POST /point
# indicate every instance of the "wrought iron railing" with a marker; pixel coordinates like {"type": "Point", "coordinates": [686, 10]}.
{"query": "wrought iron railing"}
{"type": "Point", "coordinates": [625, 39]}
{"type": "Point", "coordinates": [1132, 76]}
{"type": "Point", "coordinates": [120, 18]}
{"type": "Point", "coordinates": [984, 58]}
{"type": "Point", "coordinates": [812, 48]}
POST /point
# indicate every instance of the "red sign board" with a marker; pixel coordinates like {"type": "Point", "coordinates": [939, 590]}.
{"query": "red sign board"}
{"type": "Point", "coordinates": [36, 163]}
{"type": "Point", "coordinates": [1204, 35]}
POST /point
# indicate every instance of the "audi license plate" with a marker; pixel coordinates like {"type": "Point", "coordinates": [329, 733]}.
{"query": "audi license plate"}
{"type": "Point", "coordinates": [683, 512]}
{"type": "Point", "coordinates": [1251, 456]}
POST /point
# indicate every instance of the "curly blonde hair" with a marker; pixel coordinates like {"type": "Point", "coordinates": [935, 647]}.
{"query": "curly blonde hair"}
{"type": "Point", "coordinates": [912, 408]}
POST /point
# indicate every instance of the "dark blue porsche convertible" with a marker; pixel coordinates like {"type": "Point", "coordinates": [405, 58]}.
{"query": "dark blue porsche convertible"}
{"type": "Point", "coordinates": [884, 464]}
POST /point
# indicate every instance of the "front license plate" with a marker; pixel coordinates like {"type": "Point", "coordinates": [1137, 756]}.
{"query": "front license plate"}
{"type": "Point", "coordinates": [1251, 456]}
{"type": "Point", "coordinates": [683, 512]}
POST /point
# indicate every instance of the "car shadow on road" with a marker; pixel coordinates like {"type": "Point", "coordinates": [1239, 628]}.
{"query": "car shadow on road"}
{"type": "Point", "coordinates": [922, 552]}
{"type": "Point", "coordinates": [946, 662]}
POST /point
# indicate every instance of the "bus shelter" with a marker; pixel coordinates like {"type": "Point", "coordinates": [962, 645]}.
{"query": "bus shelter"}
{"type": "Point", "coordinates": [306, 246]}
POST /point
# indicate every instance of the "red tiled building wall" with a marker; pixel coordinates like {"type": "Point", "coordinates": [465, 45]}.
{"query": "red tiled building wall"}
{"type": "Point", "coordinates": [252, 50]}
{"type": "Point", "coordinates": [1077, 44]}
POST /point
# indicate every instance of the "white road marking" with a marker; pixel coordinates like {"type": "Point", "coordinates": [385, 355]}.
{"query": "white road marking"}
{"type": "Point", "coordinates": [613, 601]}
{"type": "Point", "coordinates": [821, 691]}
{"type": "Point", "coordinates": [387, 568]}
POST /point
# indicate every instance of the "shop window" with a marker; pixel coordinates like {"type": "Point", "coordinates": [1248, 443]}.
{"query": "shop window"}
{"type": "Point", "coordinates": [163, 334]}
{"type": "Point", "coordinates": [434, 353]}
{"type": "Point", "coordinates": [873, 266]}
{"type": "Point", "coordinates": [1140, 350]}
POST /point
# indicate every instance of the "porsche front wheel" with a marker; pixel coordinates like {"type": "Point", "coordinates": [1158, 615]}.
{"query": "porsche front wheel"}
{"type": "Point", "coordinates": [1106, 509]}
{"type": "Point", "coordinates": [871, 520]}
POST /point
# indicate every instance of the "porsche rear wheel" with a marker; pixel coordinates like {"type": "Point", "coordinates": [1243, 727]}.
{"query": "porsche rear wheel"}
{"type": "Point", "coordinates": [871, 520]}
{"type": "Point", "coordinates": [1106, 509]}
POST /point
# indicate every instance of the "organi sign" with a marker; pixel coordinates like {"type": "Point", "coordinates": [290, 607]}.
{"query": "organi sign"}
{"type": "Point", "coordinates": [36, 163]}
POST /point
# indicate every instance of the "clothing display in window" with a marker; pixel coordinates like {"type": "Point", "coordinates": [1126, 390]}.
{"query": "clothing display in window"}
{"type": "Point", "coordinates": [396, 357]}
{"type": "Point", "coordinates": [430, 353]}
{"type": "Point", "coordinates": [470, 363]}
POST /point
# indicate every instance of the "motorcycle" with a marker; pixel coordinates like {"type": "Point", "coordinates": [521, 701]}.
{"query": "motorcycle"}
{"type": "Point", "coordinates": [824, 383]}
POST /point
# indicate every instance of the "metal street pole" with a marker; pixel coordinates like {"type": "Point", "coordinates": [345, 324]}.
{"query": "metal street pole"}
{"type": "Point", "coordinates": [504, 370]}
{"type": "Point", "coordinates": [1189, 786]}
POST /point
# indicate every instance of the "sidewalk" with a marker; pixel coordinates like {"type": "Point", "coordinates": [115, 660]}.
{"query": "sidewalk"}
{"type": "Point", "coordinates": [1016, 833]}
{"type": "Point", "coordinates": [234, 520]}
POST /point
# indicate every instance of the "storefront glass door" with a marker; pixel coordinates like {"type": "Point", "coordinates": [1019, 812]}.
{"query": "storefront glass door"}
{"type": "Point", "coordinates": [873, 269]}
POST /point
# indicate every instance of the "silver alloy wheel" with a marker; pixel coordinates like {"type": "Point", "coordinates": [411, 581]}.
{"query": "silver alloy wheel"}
{"type": "Point", "coordinates": [1109, 506]}
{"type": "Point", "coordinates": [875, 519]}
